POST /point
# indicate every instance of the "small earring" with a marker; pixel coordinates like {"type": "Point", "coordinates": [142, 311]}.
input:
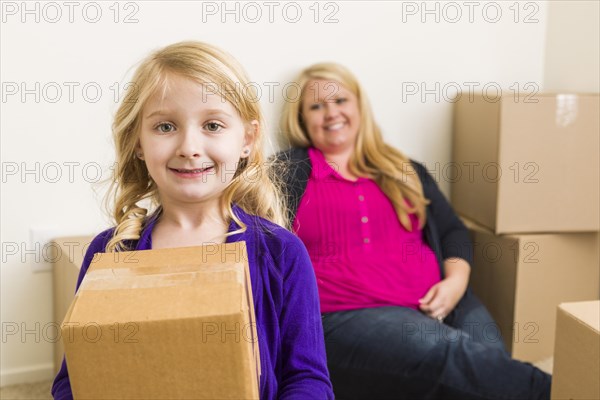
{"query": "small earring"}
{"type": "Point", "coordinates": [247, 151]}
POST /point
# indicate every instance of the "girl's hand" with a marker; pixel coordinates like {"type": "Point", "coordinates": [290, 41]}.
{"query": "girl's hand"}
{"type": "Point", "coordinates": [441, 299]}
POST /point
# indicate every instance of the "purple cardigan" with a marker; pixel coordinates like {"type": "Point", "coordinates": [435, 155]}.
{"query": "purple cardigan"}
{"type": "Point", "coordinates": [286, 303]}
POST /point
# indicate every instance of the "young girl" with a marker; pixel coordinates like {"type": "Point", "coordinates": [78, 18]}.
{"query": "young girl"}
{"type": "Point", "coordinates": [188, 137]}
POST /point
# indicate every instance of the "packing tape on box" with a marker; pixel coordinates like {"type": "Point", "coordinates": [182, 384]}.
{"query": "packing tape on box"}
{"type": "Point", "coordinates": [567, 108]}
{"type": "Point", "coordinates": [152, 277]}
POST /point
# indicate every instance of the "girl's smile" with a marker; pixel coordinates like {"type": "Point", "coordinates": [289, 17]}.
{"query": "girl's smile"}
{"type": "Point", "coordinates": [192, 173]}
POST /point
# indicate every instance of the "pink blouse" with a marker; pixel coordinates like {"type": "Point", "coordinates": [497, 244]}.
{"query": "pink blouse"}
{"type": "Point", "coordinates": [363, 257]}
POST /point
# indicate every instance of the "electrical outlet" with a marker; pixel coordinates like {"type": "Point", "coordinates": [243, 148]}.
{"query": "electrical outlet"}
{"type": "Point", "coordinates": [41, 248]}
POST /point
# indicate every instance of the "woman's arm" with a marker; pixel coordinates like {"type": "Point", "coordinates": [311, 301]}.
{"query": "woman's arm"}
{"type": "Point", "coordinates": [304, 363]}
{"type": "Point", "coordinates": [452, 233]}
{"type": "Point", "coordinates": [455, 246]}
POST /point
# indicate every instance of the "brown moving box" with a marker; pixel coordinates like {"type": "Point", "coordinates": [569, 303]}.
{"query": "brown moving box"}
{"type": "Point", "coordinates": [65, 271]}
{"type": "Point", "coordinates": [521, 279]}
{"type": "Point", "coordinates": [577, 355]}
{"type": "Point", "coordinates": [524, 167]}
{"type": "Point", "coordinates": [164, 324]}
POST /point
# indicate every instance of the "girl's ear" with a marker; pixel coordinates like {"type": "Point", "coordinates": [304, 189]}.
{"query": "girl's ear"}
{"type": "Point", "coordinates": [252, 132]}
{"type": "Point", "coordinates": [138, 151]}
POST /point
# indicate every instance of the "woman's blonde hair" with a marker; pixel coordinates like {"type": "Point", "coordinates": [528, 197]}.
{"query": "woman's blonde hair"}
{"type": "Point", "coordinates": [251, 188]}
{"type": "Point", "coordinates": [372, 157]}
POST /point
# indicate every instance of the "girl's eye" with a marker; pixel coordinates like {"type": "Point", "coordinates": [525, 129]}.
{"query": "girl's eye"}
{"type": "Point", "coordinates": [213, 126]}
{"type": "Point", "coordinates": [315, 106]}
{"type": "Point", "coordinates": [340, 100]}
{"type": "Point", "coordinates": [165, 127]}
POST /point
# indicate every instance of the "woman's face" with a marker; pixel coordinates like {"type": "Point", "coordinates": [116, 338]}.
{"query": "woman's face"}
{"type": "Point", "coordinates": [331, 116]}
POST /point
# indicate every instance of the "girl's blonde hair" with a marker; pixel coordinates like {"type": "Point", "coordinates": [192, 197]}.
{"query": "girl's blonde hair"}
{"type": "Point", "coordinates": [372, 157]}
{"type": "Point", "coordinates": [251, 188]}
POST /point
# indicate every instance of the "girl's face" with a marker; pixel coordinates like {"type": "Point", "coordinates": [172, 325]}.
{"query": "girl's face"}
{"type": "Point", "coordinates": [331, 116]}
{"type": "Point", "coordinates": [192, 140]}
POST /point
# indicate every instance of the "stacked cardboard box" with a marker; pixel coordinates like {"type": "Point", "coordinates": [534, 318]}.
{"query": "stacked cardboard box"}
{"type": "Point", "coordinates": [67, 263]}
{"type": "Point", "coordinates": [577, 351]}
{"type": "Point", "coordinates": [523, 278]}
{"type": "Point", "coordinates": [527, 183]}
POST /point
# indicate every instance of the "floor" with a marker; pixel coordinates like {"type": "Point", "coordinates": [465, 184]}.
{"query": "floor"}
{"type": "Point", "coordinates": [27, 391]}
{"type": "Point", "coordinates": [41, 390]}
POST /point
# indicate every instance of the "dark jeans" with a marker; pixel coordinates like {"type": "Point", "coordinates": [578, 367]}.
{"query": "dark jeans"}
{"type": "Point", "coordinates": [399, 353]}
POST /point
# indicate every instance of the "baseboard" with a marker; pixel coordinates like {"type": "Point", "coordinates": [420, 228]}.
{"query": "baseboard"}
{"type": "Point", "coordinates": [34, 373]}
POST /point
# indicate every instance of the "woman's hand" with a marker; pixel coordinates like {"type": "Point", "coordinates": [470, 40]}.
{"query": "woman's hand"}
{"type": "Point", "coordinates": [441, 299]}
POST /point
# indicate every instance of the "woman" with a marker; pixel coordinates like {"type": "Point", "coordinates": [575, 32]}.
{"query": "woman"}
{"type": "Point", "coordinates": [392, 259]}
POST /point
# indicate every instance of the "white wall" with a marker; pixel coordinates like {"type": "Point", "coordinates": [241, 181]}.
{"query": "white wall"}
{"type": "Point", "coordinates": [572, 61]}
{"type": "Point", "coordinates": [387, 44]}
